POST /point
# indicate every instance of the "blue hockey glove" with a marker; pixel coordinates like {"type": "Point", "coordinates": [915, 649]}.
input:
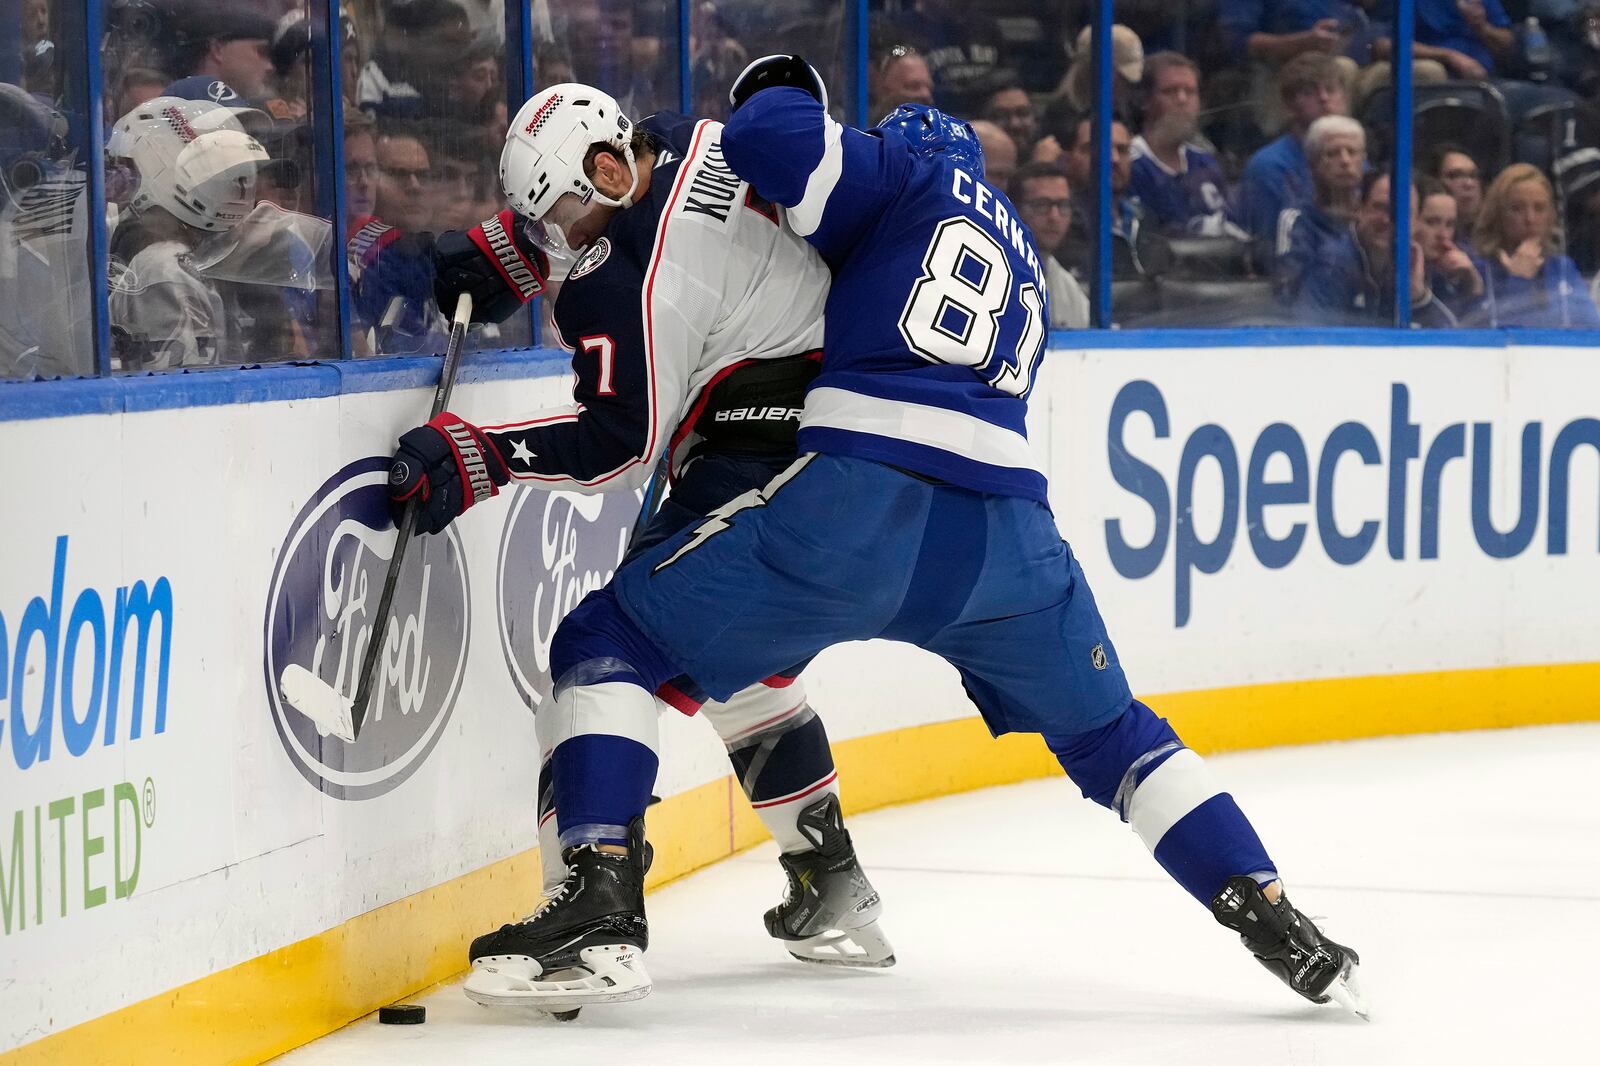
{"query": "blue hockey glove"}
{"type": "Point", "coordinates": [451, 464]}
{"type": "Point", "coordinates": [771, 71]}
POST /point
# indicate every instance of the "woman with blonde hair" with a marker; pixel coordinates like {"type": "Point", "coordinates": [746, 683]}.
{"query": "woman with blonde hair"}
{"type": "Point", "coordinates": [1526, 282]}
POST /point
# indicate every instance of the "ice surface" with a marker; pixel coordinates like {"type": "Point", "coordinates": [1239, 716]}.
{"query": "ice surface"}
{"type": "Point", "coordinates": [1032, 926]}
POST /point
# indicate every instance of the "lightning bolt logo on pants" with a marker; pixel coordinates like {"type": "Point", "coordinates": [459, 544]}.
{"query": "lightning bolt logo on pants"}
{"type": "Point", "coordinates": [722, 518]}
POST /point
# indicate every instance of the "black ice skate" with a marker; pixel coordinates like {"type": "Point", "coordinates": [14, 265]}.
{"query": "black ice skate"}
{"type": "Point", "coordinates": [829, 913]}
{"type": "Point", "coordinates": [1287, 943]}
{"type": "Point", "coordinates": [585, 944]}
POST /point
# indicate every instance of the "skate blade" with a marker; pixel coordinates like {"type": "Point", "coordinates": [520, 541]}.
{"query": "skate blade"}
{"type": "Point", "coordinates": [610, 973]}
{"type": "Point", "coordinates": [1346, 991]}
{"type": "Point", "coordinates": [864, 948]}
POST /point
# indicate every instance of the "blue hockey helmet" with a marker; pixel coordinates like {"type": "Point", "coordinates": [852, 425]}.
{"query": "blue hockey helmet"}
{"type": "Point", "coordinates": [931, 132]}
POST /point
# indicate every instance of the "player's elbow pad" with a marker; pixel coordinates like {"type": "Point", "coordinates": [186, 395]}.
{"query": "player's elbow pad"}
{"type": "Point", "coordinates": [769, 72]}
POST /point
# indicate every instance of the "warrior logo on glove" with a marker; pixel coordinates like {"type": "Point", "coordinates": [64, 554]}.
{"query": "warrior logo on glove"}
{"type": "Point", "coordinates": [491, 235]}
{"type": "Point", "coordinates": [495, 262]}
{"type": "Point", "coordinates": [449, 465]}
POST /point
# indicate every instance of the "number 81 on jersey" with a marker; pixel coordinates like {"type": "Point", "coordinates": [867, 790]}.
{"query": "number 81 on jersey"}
{"type": "Point", "coordinates": [956, 309]}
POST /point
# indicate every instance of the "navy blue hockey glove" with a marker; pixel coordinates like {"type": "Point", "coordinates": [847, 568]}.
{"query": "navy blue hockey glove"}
{"type": "Point", "coordinates": [386, 264]}
{"type": "Point", "coordinates": [771, 71]}
{"type": "Point", "coordinates": [451, 464]}
{"type": "Point", "coordinates": [495, 262]}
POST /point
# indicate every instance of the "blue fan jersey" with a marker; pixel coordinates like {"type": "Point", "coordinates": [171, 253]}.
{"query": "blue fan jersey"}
{"type": "Point", "coordinates": [937, 317]}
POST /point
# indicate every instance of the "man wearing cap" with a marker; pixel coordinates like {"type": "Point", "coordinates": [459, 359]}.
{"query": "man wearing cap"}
{"type": "Point", "coordinates": [228, 43]}
{"type": "Point", "coordinates": [1127, 69]}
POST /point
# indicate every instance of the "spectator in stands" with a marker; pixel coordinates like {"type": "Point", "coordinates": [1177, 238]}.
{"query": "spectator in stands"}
{"type": "Point", "coordinates": [417, 56]}
{"type": "Point", "coordinates": [475, 85]}
{"type": "Point", "coordinates": [1011, 108]}
{"type": "Point", "coordinates": [999, 153]}
{"type": "Point", "coordinates": [458, 176]}
{"type": "Point", "coordinates": [1138, 250]}
{"type": "Point", "coordinates": [614, 46]}
{"type": "Point", "coordinates": [899, 76]}
{"type": "Point", "coordinates": [1272, 32]}
{"type": "Point", "coordinates": [360, 165]}
{"type": "Point", "coordinates": [716, 57]}
{"type": "Point", "coordinates": [1577, 170]}
{"type": "Point", "coordinates": [1278, 177]}
{"type": "Point", "coordinates": [1044, 202]}
{"type": "Point", "coordinates": [1581, 51]}
{"type": "Point", "coordinates": [137, 85]}
{"type": "Point", "coordinates": [1058, 127]}
{"type": "Point", "coordinates": [405, 179]}
{"type": "Point", "coordinates": [962, 46]}
{"type": "Point", "coordinates": [1179, 182]}
{"type": "Point", "coordinates": [1526, 283]}
{"type": "Point", "coordinates": [1127, 70]}
{"type": "Point", "coordinates": [228, 42]}
{"type": "Point", "coordinates": [291, 69]}
{"type": "Point", "coordinates": [35, 22]}
{"type": "Point", "coordinates": [1480, 30]}
{"type": "Point", "coordinates": [1451, 275]}
{"type": "Point", "coordinates": [1429, 63]}
{"type": "Point", "coordinates": [1458, 172]}
{"type": "Point", "coordinates": [352, 61]}
{"type": "Point", "coordinates": [1336, 256]}
{"type": "Point", "coordinates": [1477, 30]}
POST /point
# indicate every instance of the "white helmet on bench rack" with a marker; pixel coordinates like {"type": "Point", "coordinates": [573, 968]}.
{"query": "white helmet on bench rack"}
{"type": "Point", "coordinates": [193, 159]}
{"type": "Point", "coordinates": [545, 148]}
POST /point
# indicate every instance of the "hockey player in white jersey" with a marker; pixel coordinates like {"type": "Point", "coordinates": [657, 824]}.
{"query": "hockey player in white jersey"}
{"type": "Point", "coordinates": [695, 318]}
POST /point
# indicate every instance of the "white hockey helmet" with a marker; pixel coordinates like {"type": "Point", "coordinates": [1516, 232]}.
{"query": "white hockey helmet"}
{"type": "Point", "coordinates": [546, 145]}
{"type": "Point", "coordinates": [193, 159]}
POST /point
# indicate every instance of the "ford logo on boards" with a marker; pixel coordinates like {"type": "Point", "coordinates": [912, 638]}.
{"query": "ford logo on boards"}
{"type": "Point", "coordinates": [557, 548]}
{"type": "Point", "coordinates": [320, 614]}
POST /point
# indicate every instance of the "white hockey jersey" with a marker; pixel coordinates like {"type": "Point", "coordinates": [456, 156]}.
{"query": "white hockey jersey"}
{"type": "Point", "coordinates": [696, 317]}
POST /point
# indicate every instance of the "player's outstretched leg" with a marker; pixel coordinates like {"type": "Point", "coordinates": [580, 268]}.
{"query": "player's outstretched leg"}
{"type": "Point", "coordinates": [780, 754]}
{"type": "Point", "coordinates": [1288, 944]}
{"type": "Point", "coordinates": [585, 944]}
{"type": "Point", "coordinates": [1137, 766]}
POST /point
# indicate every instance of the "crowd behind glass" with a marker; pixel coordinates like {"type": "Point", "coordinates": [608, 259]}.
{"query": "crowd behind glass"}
{"type": "Point", "coordinates": [1250, 182]}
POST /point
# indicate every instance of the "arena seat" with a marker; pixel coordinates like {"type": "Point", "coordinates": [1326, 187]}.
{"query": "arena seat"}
{"type": "Point", "coordinates": [1469, 113]}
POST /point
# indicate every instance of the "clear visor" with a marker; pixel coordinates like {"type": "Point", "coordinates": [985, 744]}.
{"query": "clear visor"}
{"type": "Point", "coordinates": [550, 232]}
{"type": "Point", "coordinates": [551, 239]}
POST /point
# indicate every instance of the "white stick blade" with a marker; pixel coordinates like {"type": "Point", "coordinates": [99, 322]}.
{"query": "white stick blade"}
{"type": "Point", "coordinates": [318, 701]}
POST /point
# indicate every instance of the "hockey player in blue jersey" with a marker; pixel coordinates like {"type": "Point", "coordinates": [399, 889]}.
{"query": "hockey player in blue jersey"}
{"type": "Point", "coordinates": [915, 513]}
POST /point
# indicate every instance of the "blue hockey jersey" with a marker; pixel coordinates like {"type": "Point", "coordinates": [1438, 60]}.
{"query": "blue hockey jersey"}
{"type": "Point", "coordinates": [937, 317]}
{"type": "Point", "coordinates": [1191, 200]}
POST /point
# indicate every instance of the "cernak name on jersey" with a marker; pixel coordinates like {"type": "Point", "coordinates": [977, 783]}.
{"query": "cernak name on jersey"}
{"type": "Point", "coordinates": [1010, 230]}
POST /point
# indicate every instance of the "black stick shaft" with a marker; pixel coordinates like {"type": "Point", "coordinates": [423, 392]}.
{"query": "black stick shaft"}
{"type": "Point", "coordinates": [408, 523]}
{"type": "Point", "coordinates": [654, 490]}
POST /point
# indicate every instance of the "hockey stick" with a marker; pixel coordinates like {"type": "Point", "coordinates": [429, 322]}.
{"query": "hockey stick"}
{"type": "Point", "coordinates": [652, 499]}
{"type": "Point", "coordinates": [305, 691]}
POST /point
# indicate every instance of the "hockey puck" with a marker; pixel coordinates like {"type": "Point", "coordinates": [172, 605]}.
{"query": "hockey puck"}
{"type": "Point", "coordinates": [403, 1014]}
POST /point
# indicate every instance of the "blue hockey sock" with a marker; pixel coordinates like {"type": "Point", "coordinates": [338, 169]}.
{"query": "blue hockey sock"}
{"type": "Point", "coordinates": [601, 722]}
{"type": "Point", "coordinates": [602, 783]}
{"type": "Point", "coordinates": [1137, 766]}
